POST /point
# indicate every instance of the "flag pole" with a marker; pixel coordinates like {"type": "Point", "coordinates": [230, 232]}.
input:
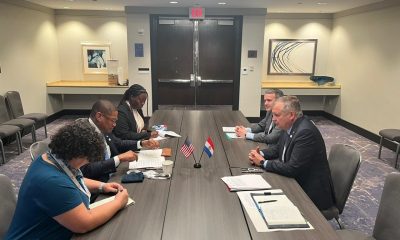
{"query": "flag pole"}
{"type": "Point", "coordinates": [201, 156]}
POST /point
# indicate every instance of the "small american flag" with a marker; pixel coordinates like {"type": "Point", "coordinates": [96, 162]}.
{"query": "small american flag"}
{"type": "Point", "coordinates": [187, 148]}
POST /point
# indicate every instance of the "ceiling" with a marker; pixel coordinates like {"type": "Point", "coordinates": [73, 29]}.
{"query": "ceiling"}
{"type": "Point", "coordinates": [276, 6]}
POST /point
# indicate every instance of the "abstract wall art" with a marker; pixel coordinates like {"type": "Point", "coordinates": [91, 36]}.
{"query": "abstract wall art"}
{"type": "Point", "coordinates": [292, 56]}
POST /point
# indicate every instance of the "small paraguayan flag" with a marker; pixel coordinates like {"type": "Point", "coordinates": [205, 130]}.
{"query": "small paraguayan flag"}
{"type": "Point", "coordinates": [209, 147]}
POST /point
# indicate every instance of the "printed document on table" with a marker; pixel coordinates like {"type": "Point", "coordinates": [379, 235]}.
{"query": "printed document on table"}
{"type": "Point", "coordinates": [109, 199]}
{"type": "Point", "coordinates": [168, 134]}
{"type": "Point", "coordinates": [228, 129]}
{"type": "Point", "coordinates": [232, 135]}
{"type": "Point", "coordinates": [254, 212]}
{"type": "Point", "coordinates": [148, 159]}
{"type": "Point", "coordinates": [245, 182]}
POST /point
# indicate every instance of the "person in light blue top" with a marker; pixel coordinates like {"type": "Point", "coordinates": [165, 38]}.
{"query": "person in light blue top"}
{"type": "Point", "coordinates": [265, 131]}
{"type": "Point", "coordinates": [53, 201]}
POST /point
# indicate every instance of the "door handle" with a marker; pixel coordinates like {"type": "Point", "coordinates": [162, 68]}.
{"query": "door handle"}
{"type": "Point", "coordinates": [198, 81]}
{"type": "Point", "coordinates": [192, 82]}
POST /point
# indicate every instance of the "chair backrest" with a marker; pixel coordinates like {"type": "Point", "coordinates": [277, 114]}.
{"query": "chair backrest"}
{"type": "Point", "coordinates": [4, 114]}
{"type": "Point", "coordinates": [14, 104]}
{"type": "Point", "coordinates": [386, 225]}
{"type": "Point", "coordinates": [344, 161]}
{"type": "Point", "coordinates": [38, 148]}
{"type": "Point", "coordinates": [8, 202]}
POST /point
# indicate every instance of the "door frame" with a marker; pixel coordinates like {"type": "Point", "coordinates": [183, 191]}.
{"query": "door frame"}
{"type": "Point", "coordinates": [238, 25]}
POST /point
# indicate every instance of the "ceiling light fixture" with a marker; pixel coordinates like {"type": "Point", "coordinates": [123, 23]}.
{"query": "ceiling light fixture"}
{"type": "Point", "coordinates": [322, 3]}
{"type": "Point", "coordinates": [173, 2]}
{"type": "Point", "coordinates": [221, 3]}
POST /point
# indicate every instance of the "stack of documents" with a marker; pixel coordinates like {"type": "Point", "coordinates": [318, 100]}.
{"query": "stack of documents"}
{"type": "Point", "coordinates": [271, 210]}
{"type": "Point", "coordinates": [148, 159]}
{"type": "Point", "coordinates": [109, 199]}
{"type": "Point", "coordinates": [230, 132]}
{"type": "Point", "coordinates": [246, 182]}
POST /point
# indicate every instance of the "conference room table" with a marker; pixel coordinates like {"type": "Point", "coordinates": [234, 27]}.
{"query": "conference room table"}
{"type": "Point", "coordinates": [195, 203]}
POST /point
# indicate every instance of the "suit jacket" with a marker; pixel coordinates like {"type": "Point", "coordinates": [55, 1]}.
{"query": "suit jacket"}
{"type": "Point", "coordinates": [261, 130]}
{"type": "Point", "coordinates": [101, 170]}
{"type": "Point", "coordinates": [126, 127]}
{"type": "Point", "coordinates": [305, 160]}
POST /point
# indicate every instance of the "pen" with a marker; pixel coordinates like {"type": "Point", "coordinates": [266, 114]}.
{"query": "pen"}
{"type": "Point", "coordinates": [267, 201]}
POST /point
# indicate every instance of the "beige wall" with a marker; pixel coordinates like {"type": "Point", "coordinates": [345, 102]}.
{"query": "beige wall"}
{"type": "Point", "coordinates": [365, 59]}
{"type": "Point", "coordinates": [28, 55]}
{"type": "Point", "coordinates": [75, 28]}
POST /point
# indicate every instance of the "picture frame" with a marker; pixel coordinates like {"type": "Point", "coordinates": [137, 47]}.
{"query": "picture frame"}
{"type": "Point", "coordinates": [292, 56]}
{"type": "Point", "coordinates": [95, 58]}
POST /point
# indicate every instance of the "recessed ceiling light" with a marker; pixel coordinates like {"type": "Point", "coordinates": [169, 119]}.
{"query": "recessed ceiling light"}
{"type": "Point", "coordinates": [173, 2]}
{"type": "Point", "coordinates": [221, 3]}
{"type": "Point", "coordinates": [322, 3]}
{"type": "Point", "coordinates": [66, 7]}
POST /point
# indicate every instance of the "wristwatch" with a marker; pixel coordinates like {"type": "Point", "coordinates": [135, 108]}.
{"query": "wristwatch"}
{"type": "Point", "coordinates": [262, 163]}
{"type": "Point", "coordinates": [101, 187]}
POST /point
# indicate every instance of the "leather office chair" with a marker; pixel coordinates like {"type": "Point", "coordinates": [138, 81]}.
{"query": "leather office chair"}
{"type": "Point", "coordinates": [7, 131]}
{"type": "Point", "coordinates": [386, 225]}
{"type": "Point", "coordinates": [38, 148]}
{"type": "Point", "coordinates": [14, 103]}
{"type": "Point", "coordinates": [23, 124]}
{"type": "Point", "coordinates": [344, 162]}
{"type": "Point", "coordinates": [8, 202]}
{"type": "Point", "coordinates": [392, 135]}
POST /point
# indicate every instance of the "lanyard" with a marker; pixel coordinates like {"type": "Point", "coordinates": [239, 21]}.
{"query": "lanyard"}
{"type": "Point", "coordinates": [61, 165]}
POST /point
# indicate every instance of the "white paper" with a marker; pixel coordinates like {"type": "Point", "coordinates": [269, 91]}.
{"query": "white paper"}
{"type": "Point", "coordinates": [168, 134]}
{"type": "Point", "coordinates": [246, 182]}
{"type": "Point", "coordinates": [232, 135]}
{"type": "Point", "coordinates": [254, 214]}
{"type": "Point", "coordinates": [228, 129]}
{"type": "Point", "coordinates": [109, 199]}
{"type": "Point", "coordinates": [148, 159]}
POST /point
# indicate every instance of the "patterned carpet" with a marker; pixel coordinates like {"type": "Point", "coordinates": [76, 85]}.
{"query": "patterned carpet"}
{"type": "Point", "coordinates": [361, 207]}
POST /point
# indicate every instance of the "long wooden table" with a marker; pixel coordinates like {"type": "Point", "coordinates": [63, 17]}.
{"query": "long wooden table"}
{"type": "Point", "coordinates": [195, 203]}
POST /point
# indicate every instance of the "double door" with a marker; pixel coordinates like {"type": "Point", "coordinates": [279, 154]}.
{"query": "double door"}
{"type": "Point", "coordinates": [195, 62]}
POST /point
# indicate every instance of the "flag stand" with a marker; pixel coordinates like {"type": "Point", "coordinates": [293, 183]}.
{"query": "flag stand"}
{"type": "Point", "coordinates": [197, 164]}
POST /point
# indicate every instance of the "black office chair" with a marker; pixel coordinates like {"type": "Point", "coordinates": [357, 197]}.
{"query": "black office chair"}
{"type": "Point", "coordinates": [23, 124]}
{"type": "Point", "coordinates": [392, 135]}
{"type": "Point", "coordinates": [344, 162]}
{"type": "Point", "coordinates": [7, 131]}
{"type": "Point", "coordinates": [38, 148]}
{"type": "Point", "coordinates": [8, 202]}
{"type": "Point", "coordinates": [386, 225]}
{"type": "Point", "coordinates": [14, 103]}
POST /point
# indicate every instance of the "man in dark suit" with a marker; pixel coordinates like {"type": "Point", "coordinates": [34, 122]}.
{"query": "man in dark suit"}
{"type": "Point", "coordinates": [265, 131]}
{"type": "Point", "coordinates": [103, 117]}
{"type": "Point", "coordinates": [299, 154]}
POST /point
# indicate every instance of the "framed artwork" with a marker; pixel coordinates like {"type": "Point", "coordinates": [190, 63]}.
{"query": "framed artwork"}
{"type": "Point", "coordinates": [95, 58]}
{"type": "Point", "coordinates": [292, 56]}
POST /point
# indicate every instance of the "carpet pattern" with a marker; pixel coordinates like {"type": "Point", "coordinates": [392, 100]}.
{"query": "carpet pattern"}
{"type": "Point", "coordinates": [361, 207]}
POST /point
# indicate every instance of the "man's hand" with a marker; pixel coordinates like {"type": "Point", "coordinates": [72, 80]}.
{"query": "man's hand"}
{"type": "Point", "coordinates": [240, 131]}
{"type": "Point", "coordinates": [255, 157]}
{"type": "Point", "coordinates": [112, 187]}
{"type": "Point", "coordinates": [128, 156]}
{"type": "Point", "coordinates": [153, 134]}
{"type": "Point", "coordinates": [151, 144]}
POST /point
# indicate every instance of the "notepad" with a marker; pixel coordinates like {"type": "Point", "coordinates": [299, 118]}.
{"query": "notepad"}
{"type": "Point", "coordinates": [228, 129]}
{"type": "Point", "coordinates": [109, 199]}
{"type": "Point", "coordinates": [279, 212]}
{"type": "Point", "coordinates": [245, 182]}
{"type": "Point", "coordinates": [168, 134]}
{"type": "Point", "coordinates": [148, 159]}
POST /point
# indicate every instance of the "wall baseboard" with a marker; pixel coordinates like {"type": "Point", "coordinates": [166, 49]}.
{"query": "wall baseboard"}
{"type": "Point", "coordinates": [354, 128]}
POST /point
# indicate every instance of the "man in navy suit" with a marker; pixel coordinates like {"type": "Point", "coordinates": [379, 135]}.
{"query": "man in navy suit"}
{"type": "Point", "coordinates": [299, 154]}
{"type": "Point", "coordinates": [103, 117]}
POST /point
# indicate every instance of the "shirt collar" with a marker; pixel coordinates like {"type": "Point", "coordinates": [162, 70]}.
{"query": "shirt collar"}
{"type": "Point", "coordinates": [95, 126]}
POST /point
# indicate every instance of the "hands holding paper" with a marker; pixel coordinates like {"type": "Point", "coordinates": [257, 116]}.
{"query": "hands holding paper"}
{"type": "Point", "coordinates": [255, 157]}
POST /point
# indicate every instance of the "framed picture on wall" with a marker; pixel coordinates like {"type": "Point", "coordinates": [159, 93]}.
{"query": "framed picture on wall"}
{"type": "Point", "coordinates": [95, 58]}
{"type": "Point", "coordinates": [292, 56]}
